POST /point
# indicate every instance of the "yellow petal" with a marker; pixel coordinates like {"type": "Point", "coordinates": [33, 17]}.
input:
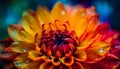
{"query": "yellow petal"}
{"type": "Point", "coordinates": [21, 61]}
{"type": "Point", "coordinates": [21, 47]}
{"type": "Point", "coordinates": [80, 55]}
{"type": "Point", "coordinates": [77, 65]}
{"type": "Point", "coordinates": [26, 37]}
{"type": "Point", "coordinates": [59, 12]}
{"type": "Point", "coordinates": [30, 24]}
{"type": "Point", "coordinates": [17, 33]}
{"type": "Point", "coordinates": [97, 51]}
{"type": "Point", "coordinates": [78, 21]}
{"type": "Point", "coordinates": [43, 16]}
{"type": "Point", "coordinates": [36, 56]}
{"type": "Point", "coordinates": [13, 31]}
{"type": "Point", "coordinates": [33, 65]}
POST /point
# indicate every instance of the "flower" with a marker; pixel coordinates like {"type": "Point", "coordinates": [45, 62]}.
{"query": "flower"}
{"type": "Point", "coordinates": [66, 38]}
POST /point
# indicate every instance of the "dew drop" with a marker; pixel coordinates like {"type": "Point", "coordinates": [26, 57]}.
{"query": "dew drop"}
{"type": "Point", "coordinates": [0, 51]}
{"type": "Point", "coordinates": [14, 33]}
{"type": "Point", "coordinates": [83, 14]}
{"type": "Point", "coordinates": [27, 61]}
{"type": "Point", "coordinates": [101, 50]}
{"type": "Point", "coordinates": [19, 64]}
{"type": "Point", "coordinates": [116, 46]}
{"type": "Point", "coordinates": [15, 42]}
{"type": "Point", "coordinates": [63, 12]}
{"type": "Point", "coordinates": [24, 50]}
{"type": "Point", "coordinates": [6, 54]}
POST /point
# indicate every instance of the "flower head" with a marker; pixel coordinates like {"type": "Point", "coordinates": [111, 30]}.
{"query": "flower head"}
{"type": "Point", "coordinates": [66, 38]}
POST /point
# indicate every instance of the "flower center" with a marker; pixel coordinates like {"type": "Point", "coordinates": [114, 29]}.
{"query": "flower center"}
{"type": "Point", "coordinates": [58, 43]}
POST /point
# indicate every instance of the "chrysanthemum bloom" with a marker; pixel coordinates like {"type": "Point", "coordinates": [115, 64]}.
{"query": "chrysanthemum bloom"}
{"type": "Point", "coordinates": [65, 38]}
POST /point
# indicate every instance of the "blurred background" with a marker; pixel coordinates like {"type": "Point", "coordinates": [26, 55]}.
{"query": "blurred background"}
{"type": "Point", "coordinates": [11, 11]}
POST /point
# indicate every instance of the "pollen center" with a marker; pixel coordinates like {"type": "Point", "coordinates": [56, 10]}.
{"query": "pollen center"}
{"type": "Point", "coordinates": [59, 40]}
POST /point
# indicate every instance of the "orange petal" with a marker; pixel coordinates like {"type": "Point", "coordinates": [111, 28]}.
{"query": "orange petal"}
{"type": "Point", "coordinates": [43, 16]}
{"type": "Point", "coordinates": [77, 65]}
{"type": "Point", "coordinates": [78, 21]}
{"type": "Point", "coordinates": [58, 54]}
{"type": "Point", "coordinates": [21, 47]}
{"type": "Point", "coordinates": [56, 61]}
{"type": "Point", "coordinates": [36, 56]}
{"type": "Point", "coordinates": [59, 12]}
{"type": "Point", "coordinates": [30, 24]}
{"type": "Point", "coordinates": [33, 65]}
{"type": "Point", "coordinates": [97, 51]}
{"type": "Point", "coordinates": [21, 61]}
{"type": "Point", "coordinates": [45, 66]}
{"type": "Point", "coordinates": [68, 61]}
{"type": "Point", "coordinates": [80, 55]}
{"type": "Point", "coordinates": [92, 23]}
{"type": "Point", "coordinates": [88, 40]}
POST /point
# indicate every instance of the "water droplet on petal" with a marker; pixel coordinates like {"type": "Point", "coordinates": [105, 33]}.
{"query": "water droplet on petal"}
{"type": "Point", "coordinates": [63, 12]}
{"type": "Point", "coordinates": [27, 61]}
{"type": "Point", "coordinates": [14, 33]}
{"type": "Point", "coordinates": [116, 46]}
{"type": "Point", "coordinates": [101, 50]}
{"type": "Point", "coordinates": [83, 14]}
{"type": "Point", "coordinates": [0, 51]}
{"type": "Point", "coordinates": [19, 64]}
{"type": "Point", "coordinates": [15, 42]}
{"type": "Point", "coordinates": [6, 54]}
{"type": "Point", "coordinates": [24, 50]}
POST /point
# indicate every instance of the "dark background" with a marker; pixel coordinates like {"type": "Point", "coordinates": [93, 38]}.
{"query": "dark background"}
{"type": "Point", "coordinates": [11, 11]}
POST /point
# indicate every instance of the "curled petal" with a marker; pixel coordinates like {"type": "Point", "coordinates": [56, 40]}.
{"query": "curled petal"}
{"type": "Point", "coordinates": [45, 66]}
{"type": "Point", "coordinates": [68, 61]}
{"type": "Point", "coordinates": [56, 61]}
{"type": "Point", "coordinates": [21, 47]}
